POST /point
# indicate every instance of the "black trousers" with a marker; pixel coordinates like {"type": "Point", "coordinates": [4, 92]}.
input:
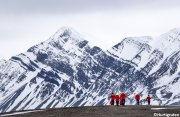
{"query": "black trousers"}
{"type": "Point", "coordinates": [117, 103]}
{"type": "Point", "coordinates": [123, 102]}
{"type": "Point", "coordinates": [137, 102]}
{"type": "Point", "coordinates": [148, 102]}
{"type": "Point", "coordinates": [112, 102]}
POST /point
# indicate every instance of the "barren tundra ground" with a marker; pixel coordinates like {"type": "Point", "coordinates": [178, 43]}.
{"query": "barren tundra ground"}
{"type": "Point", "coordinates": [100, 111]}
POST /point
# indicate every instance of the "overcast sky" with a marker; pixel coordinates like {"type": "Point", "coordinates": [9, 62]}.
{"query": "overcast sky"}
{"type": "Point", "coordinates": [24, 23]}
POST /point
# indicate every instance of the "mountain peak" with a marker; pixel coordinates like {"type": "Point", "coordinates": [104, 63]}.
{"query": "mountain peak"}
{"type": "Point", "coordinates": [173, 33]}
{"type": "Point", "coordinates": [68, 32]}
{"type": "Point", "coordinates": [142, 39]}
{"type": "Point", "coordinates": [2, 60]}
{"type": "Point", "coordinates": [175, 30]}
{"type": "Point", "coordinates": [135, 40]}
{"type": "Point", "coordinates": [64, 31]}
{"type": "Point", "coordinates": [169, 41]}
{"type": "Point", "coordinates": [65, 37]}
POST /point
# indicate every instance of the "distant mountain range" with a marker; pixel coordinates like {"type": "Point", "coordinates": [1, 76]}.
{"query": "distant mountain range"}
{"type": "Point", "coordinates": [64, 71]}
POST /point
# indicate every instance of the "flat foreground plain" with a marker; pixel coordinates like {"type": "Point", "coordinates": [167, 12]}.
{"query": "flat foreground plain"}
{"type": "Point", "coordinates": [100, 111]}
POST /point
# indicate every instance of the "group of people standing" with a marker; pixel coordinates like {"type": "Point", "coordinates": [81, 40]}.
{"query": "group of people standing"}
{"type": "Point", "coordinates": [120, 99]}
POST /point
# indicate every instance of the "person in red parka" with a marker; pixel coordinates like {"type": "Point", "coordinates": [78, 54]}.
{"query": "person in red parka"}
{"type": "Point", "coordinates": [112, 99]}
{"type": "Point", "coordinates": [148, 99]}
{"type": "Point", "coordinates": [117, 100]}
{"type": "Point", "coordinates": [122, 98]}
{"type": "Point", "coordinates": [137, 97]}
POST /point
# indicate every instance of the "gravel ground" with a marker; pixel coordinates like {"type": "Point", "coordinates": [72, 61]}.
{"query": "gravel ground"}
{"type": "Point", "coordinates": [101, 111]}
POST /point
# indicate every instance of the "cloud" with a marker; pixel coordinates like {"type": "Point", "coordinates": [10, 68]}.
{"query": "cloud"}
{"type": "Point", "coordinates": [24, 23]}
{"type": "Point", "coordinates": [78, 6]}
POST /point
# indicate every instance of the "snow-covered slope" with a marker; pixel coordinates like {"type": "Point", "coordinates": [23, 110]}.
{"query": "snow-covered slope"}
{"type": "Point", "coordinates": [133, 49]}
{"type": "Point", "coordinates": [65, 71]}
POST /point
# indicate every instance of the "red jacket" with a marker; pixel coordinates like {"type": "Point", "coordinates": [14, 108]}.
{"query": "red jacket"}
{"type": "Point", "coordinates": [122, 96]}
{"type": "Point", "coordinates": [112, 97]}
{"type": "Point", "coordinates": [148, 98]}
{"type": "Point", "coordinates": [117, 97]}
{"type": "Point", "coordinates": [137, 97]}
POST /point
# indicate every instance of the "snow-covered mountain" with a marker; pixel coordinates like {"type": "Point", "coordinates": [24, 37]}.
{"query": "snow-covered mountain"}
{"type": "Point", "coordinates": [65, 71]}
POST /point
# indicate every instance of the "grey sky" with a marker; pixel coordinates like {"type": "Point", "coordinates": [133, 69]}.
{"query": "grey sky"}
{"type": "Point", "coordinates": [74, 6]}
{"type": "Point", "coordinates": [24, 23]}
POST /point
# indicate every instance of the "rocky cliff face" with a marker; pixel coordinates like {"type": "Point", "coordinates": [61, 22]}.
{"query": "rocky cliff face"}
{"type": "Point", "coordinates": [65, 71]}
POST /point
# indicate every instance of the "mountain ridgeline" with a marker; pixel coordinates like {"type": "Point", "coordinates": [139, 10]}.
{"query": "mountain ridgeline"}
{"type": "Point", "coordinates": [64, 71]}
